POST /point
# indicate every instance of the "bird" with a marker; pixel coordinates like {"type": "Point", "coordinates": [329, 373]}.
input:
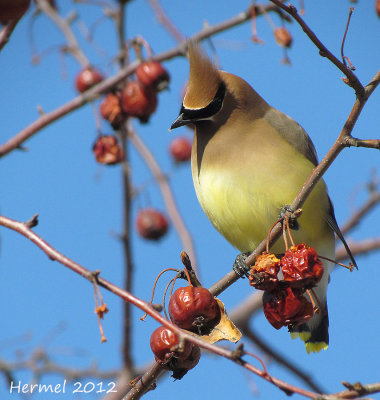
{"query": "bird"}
{"type": "Point", "coordinates": [248, 162]}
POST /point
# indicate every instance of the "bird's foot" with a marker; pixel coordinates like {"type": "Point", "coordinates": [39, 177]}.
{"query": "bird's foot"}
{"type": "Point", "coordinates": [293, 223]}
{"type": "Point", "coordinates": [240, 267]}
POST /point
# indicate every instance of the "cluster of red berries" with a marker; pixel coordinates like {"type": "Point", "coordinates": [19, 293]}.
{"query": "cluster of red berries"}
{"type": "Point", "coordinates": [137, 99]}
{"type": "Point", "coordinates": [191, 308]}
{"type": "Point", "coordinates": [284, 300]}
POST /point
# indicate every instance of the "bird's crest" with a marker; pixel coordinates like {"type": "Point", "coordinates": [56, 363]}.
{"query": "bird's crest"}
{"type": "Point", "coordinates": [204, 79]}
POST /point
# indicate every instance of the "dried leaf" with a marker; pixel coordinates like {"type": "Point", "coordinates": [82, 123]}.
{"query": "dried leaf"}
{"type": "Point", "coordinates": [224, 330]}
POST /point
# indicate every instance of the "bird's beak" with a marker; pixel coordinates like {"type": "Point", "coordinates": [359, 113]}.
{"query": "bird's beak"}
{"type": "Point", "coordinates": [180, 121]}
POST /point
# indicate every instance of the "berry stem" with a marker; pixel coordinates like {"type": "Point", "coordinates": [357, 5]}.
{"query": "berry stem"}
{"type": "Point", "coordinates": [270, 231]}
{"type": "Point", "coordinates": [164, 296]}
{"type": "Point", "coordinates": [350, 266]}
{"type": "Point", "coordinates": [154, 287]}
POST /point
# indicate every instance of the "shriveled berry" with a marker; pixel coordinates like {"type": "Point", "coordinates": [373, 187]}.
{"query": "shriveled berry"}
{"type": "Point", "coordinates": [286, 307]}
{"type": "Point", "coordinates": [283, 37]}
{"type": "Point", "coordinates": [194, 309]}
{"type": "Point", "coordinates": [151, 224]}
{"type": "Point", "coordinates": [107, 150]}
{"type": "Point", "coordinates": [180, 149]}
{"type": "Point", "coordinates": [138, 101]}
{"type": "Point", "coordinates": [87, 78]}
{"type": "Point", "coordinates": [263, 274]}
{"type": "Point", "coordinates": [110, 110]}
{"type": "Point", "coordinates": [301, 267]}
{"type": "Point", "coordinates": [153, 75]}
{"type": "Point", "coordinates": [165, 344]}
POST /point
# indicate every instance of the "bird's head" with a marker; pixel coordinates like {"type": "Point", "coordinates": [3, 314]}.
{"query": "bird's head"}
{"type": "Point", "coordinates": [205, 90]}
{"type": "Point", "coordinates": [212, 94]}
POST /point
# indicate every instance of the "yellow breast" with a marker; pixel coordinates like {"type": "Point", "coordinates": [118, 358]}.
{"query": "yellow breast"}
{"type": "Point", "coordinates": [243, 181]}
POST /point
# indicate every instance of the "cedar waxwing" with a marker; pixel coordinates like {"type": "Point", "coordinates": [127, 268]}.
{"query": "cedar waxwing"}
{"type": "Point", "coordinates": [248, 161]}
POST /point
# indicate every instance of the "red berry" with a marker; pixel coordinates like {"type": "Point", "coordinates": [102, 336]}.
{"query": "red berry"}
{"type": "Point", "coordinates": [153, 75]}
{"type": "Point", "coordinates": [151, 224]}
{"type": "Point", "coordinates": [107, 150]}
{"type": "Point", "coordinates": [138, 101]}
{"type": "Point", "coordinates": [12, 9]}
{"type": "Point", "coordinates": [377, 6]}
{"type": "Point", "coordinates": [87, 78]}
{"type": "Point", "coordinates": [263, 274]}
{"type": "Point", "coordinates": [180, 149]}
{"type": "Point", "coordinates": [110, 109]}
{"type": "Point", "coordinates": [163, 343]}
{"type": "Point", "coordinates": [300, 266]}
{"type": "Point", "coordinates": [286, 307]}
{"type": "Point", "coordinates": [194, 309]}
{"type": "Point", "coordinates": [283, 37]}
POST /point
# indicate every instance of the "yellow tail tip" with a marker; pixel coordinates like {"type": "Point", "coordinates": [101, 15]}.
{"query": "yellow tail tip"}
{"type": "Point", "coordinates": [315, 347]}
{"type": "Point", "coordinates": [311, 347]}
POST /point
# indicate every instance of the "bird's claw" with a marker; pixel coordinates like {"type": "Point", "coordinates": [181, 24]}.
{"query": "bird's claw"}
{"type": "Point", "coordinates": [293, 223]}
{"type": "Point", "coordinates": [240, 267]}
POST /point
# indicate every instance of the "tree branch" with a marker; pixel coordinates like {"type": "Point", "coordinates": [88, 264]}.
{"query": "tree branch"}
{"type": "Point", "coordinates": [25, 230]}
{"type": "Point", "coordinates": [16, 141]}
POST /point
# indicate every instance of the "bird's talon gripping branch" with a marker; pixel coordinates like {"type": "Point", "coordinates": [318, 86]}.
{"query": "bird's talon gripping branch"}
{"type": "Point", "coordinates": [292, 218]}
{"type": "Point", "coordinates": [240, 267]}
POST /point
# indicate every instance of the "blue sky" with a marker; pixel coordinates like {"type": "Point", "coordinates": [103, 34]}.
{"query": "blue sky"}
{"type": "Point", "coordinates": [80, 202]}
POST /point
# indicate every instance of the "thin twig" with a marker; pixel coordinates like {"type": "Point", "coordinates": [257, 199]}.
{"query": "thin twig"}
{"type": "Point", "coordinates": [323, 51]}
{"type": "Point", "coordinates": [166, 22]}
{"type": "Point", "coordinates": [344, 39]}
{"type": "Point", "coordinates": [64, 26]}
{"type": "Point", "coordinates": [276, 356]}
